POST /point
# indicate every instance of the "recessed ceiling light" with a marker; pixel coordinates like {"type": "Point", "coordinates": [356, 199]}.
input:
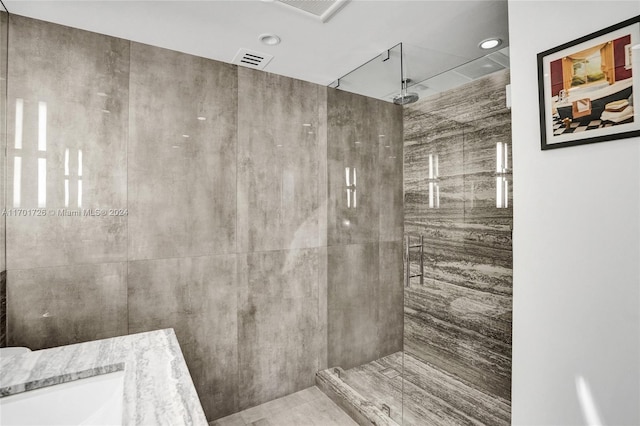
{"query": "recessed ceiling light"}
{"type": "Point", "coordinates": [490, 43]}
{"type": "Point", "coordinates": [269, 39]}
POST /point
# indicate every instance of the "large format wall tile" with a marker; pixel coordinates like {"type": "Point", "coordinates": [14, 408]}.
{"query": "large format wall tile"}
{"type": "Point", "coordinates": [182, 155]}
{"type": "Point", "coordinates": [364, 298]}
{"type": "Point", "coordinates": [390, 298]}
{"type": "Point", "coordinates": [278, 162]}
{"type": "Point", "coordinates": [388, 126]}
{"type": "Point", "coordinates": [66, 304]}
{"type": "Point", "coordinates": [352, 142]}
{"type": "Point", "coordinates": [352, 300]}
{"type": "Point", "coordinates": [58, 161]}
{"type": "Point", "coordinates": [279, 342]}
{"type": "Point", "coordinates": [197, 298]}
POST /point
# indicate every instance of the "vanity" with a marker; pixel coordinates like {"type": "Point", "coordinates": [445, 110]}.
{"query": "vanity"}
{"type": "Point", "coordinates": [138, 379]}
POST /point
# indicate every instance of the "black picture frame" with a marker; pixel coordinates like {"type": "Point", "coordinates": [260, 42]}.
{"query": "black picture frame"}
{"type": "Point", "coordinates": [586, 93]}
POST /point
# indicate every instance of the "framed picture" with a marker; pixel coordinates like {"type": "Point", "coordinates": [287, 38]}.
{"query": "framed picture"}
{"type": "Point", "coordinates": [590, 88]}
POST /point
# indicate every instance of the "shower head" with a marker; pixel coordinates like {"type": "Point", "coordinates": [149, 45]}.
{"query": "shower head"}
{"type": "Point", "coordinates": [406, 98]}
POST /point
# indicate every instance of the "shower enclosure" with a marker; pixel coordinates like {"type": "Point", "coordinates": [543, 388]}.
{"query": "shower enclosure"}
{"type": "Point", "coordinates": [399, 215]}
{"type": "Point", "coordinates": [453, 365]}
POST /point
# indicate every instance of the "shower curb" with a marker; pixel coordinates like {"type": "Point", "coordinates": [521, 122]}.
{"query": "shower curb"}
{"type": "Point", "coordinates": [351, 402]}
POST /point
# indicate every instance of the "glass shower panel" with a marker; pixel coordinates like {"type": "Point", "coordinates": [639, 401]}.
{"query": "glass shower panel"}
{"type": "Point", "coordinates": [378, 78]}
{"type": "Point", "coordinates": [364, 242]}
{"type": "Point", "coordinates": [458, 218]}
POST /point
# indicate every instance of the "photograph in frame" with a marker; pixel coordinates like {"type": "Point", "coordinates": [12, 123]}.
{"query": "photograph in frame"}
{"type": "Point", "coordinates": [590, 88]}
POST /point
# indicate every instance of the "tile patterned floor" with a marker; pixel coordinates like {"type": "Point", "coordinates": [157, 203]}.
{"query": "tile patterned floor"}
{"type": "Point", "coordinates": [581, 126]}
{"type": "Point", "coordinates": [309, 407]}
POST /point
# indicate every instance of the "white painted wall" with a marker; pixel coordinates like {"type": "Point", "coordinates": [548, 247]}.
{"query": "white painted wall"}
{"type": "Point", "coordinates": [576, 242]}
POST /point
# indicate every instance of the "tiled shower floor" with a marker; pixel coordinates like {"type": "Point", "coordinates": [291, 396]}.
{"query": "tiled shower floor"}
{"type": "Point", "coordinates": [309, 407]}
{"type": "Point", "coordinates": [431, 397]}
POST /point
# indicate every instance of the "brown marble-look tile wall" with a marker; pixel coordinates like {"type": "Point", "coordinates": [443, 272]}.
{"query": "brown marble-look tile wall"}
{"type": "Point", "coordinates": [231, 233]}
{"type": "Point", "coordinates": [364, 234]}
{"type": "Point", "coordinates": [460, 319]}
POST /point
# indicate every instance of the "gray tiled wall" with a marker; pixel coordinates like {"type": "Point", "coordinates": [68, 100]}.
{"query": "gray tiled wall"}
{"type": "Point", "coordinates": [233, 184]}
{"type": "Point", "coordinates": [181, 169]}
{"type": "Point", "coordinates": [364, 242]}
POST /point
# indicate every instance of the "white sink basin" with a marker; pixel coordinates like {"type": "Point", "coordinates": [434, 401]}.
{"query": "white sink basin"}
{"type": "Point", "coordinates": [96, 400]}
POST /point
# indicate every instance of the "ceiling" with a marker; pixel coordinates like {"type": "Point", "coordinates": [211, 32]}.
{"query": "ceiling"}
{"type": "Point", "coordinates": [437, 35]}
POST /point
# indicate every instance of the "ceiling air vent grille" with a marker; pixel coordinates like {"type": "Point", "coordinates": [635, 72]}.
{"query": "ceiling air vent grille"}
{"type": "Point", "coordinates": [252, 59]}
{"type": "Point", "coordinates": [319, 9]}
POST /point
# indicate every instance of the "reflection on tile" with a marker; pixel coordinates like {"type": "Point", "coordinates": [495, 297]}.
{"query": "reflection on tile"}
{"type": "Point", "coordinates": [278, 324]}
{"type": "Point", "coordinates": [278, 162]}
{"type": "Point", "coordinates": [388, 127]}
{"type": "Point", "coordinates": [182, 155]}
{"type": "Point", "coordinates": [417, 207]}
{"type": "Point", "coordinates": [323, 190]}
{"type": "Point", "coordinates": [353, 299]}
{"type": "Point", "coordinates": [352, 142]}
{"type": "Point", "coordinates": [66, 304]}
{"type": "Point", "coordinates": [197, 298]}
{"type": "Point", "coordinates": [45, 100]}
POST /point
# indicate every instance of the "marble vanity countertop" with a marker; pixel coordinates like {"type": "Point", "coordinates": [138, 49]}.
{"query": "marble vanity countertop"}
{"type": "Point", "coordinates": [158, 389]}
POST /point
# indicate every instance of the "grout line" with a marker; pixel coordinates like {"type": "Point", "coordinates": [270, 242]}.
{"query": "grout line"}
{"type": "Point", "coordinates": [238, 285]}
{"type": "Point", "coordinates": [127, 140]}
